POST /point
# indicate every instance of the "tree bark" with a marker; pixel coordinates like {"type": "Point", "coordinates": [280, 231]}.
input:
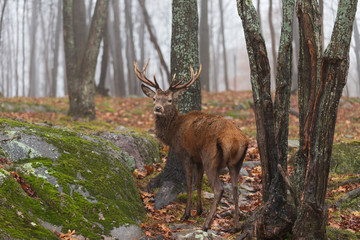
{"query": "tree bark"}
{"type": "Point", "coordinates": [273, 36]}
{"type": "Point", "coordinates": [80, 28]}
{"type": "Point", "coordinates": [130, 49]}
{"type": "Point", "coordinates": [184, 52]}
{"type": "Point", "coordinates": [33, 43]}
{"type": "Point", "coordinates": [54, 70]}
{"type": "Point", "coordinates": [100, 89]}
{"type": "Point", "coordinates": [80, 77]}
{"type": "Point", "coordinates": [318, 137]}
{"type": "Point", "coordinates": [321, 81]}
{"type": "Point", "coordinates": [204, 46]}
{"type": "Point", "coordinates": [119, 75]}
{"type": "Point", "coordinates": [357, 52]}
{"type": "Point", "coordinates": [275, 216]}
{"type": "Point", "coordinates": [222, 29]}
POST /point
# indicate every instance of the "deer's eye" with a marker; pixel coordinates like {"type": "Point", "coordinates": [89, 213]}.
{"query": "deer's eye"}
{"type": "Point", "coordinates": [154, 99]}
{"type": "Point", "coordinates": [170, 101]}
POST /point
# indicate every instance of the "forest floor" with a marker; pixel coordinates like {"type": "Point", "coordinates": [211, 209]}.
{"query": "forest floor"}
{"type": "Point", "coordinates": [136, 112]}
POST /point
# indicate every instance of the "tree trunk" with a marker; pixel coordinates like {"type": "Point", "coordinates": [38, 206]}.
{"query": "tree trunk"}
{"type": "Point", "coordinates": [80, 28]}
{"type": "Point", "coordinates": [273, 36]}
{"type": "Point", "coordinates": [222, 29]}
{"type": "Point", "coordinates": [318, 133]}
{"type": "Point", "coordinates": [357, 51]}
{"type": "Point", "coordinates": [33, 43]}
{"type": "Point", "coordinates": [321, 81]}
{"type": "Point", "coordinates": [2, 17]}
{"type": "Point", "coordinates": [184, 52]}
{"type": "Point", "coordinates": [80, 77]}
{"type": "Point", "coordinates": [275, 216]}
{"type": "Point", "coordinates": [100, 89]}
{"type": "Point", "coordinates": [119, 76]}
{"type": "Point", "coordinates": [130, 48]}
{"type": "Point", "coordinates": [153, 39]}
{"type": "Point", "coordinates": [54, 70]}
{"type": "Point", "coordinates": [204, 46]}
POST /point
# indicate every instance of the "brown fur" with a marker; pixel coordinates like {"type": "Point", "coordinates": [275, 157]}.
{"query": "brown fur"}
{"type": "Point", "coordinates": [202, 141]}
{"type": "Point", "coordinates": [207, 142]}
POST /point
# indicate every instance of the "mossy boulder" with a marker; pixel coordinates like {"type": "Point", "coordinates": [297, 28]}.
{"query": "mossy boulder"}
{"type": "Point", "coordinates": [81, 182]}
{"type": "Point", "coordinates": [346, 157]}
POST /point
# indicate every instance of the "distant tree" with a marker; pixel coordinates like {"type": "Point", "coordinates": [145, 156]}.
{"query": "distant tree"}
{"type": "Point", "coordinates": [130, 49]}
{"type": "Point", "coordinates": [222, 34]}
{"type": "Point", "coordinates": [272, 36]}
{"type": "Point", "coordinates": [357, 52]}
{"type": "Point", "coordinates": [184, 52]}
{"type": "Point", "coordinates": [116, 52]}
{"type": "Point", "coordinates": [322, 77]}
{"type": "Point", "coordinates": [153, 38]}
{"type": "Point", "coordinates": [2, 16]}
{"type": "Point", "coordinates": [54, 70]}
{"type": "Point", "coordinates": [204, 45]}
{"type": "Point", "coordinates": [80, 71]}
{"type": "Point", "coordinates": [100, 88]}
{"type": "Point", "coordinates": [33, 50]}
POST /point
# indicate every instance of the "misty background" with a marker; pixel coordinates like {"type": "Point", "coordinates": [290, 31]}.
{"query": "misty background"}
{"type": "Point", "coordinates": [32, 51]}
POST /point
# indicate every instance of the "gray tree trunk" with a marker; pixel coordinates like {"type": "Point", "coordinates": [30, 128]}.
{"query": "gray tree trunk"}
{"type": "Point", "coordinates": [54, 70]}
{"type": "Point", "coordinates": [222, 33]}
{"type": "Point", "coordinates": [119, 75]}
{"type": "Point", "coordinates": [33, 50]}
{"type": "Point", "coordinates": [184, 52]}
{"type": "Point", "coordinates": [204, 45]}
{"type": "Point", "coordinates": [80, 77]}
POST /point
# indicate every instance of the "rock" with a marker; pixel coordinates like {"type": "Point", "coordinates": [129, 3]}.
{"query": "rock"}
{"type": "Point", "coordinates": [143, 148]}
{"type": "Point", "coordinates": [80, 183]}
{"type": "Point", "coordinates": [167, 193]}
{"type": "Point", "coordinates": [246, 187]}
{"type": "Point", "coordinates": [293, 143]}
{"type": "Point", "coordinates": [126, 232]}
{"type": "Point", "coordinates": [196, 234]}
{"type": "Point", "coordinates": [243, 172]}
{"type": "Point", "coordinates": [251, 164]}
{"type": "Point", "coordinates": [19, 145]}
{"type": "Point", "coordinates": [208, 195]}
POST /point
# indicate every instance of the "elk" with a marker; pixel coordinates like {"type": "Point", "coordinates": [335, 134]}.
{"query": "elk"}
{"type": "Point", "coordinates": [207, 142]}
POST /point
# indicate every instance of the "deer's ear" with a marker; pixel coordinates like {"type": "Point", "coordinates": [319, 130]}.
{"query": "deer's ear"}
{"type": "Point", "coordinates": [147, 91]}
{"type": "Point", "coordinates": [177, 93]}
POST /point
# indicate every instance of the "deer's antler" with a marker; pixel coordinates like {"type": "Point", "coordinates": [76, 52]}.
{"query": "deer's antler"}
{"type": "Point", "coordinates": [141, 74]}
{"type": "Point", "coordinates": [193, 78]}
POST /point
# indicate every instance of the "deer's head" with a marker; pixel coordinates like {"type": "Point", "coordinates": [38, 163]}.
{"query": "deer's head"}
{"type": "Point", "coordinates": [164, 100]}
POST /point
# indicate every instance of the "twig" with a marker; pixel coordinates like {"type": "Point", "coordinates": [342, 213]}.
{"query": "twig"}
{"type": "Point", "coordinates": [288, 183]}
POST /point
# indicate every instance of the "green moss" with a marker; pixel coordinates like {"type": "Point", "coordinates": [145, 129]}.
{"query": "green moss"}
{"type": "Point", "coordinates": [93, 191]}
{"type": "Point", "coordinates": [17, 213]}
{"type": "Point", "coordinates": [346, 157]}
{"type": "Point", "coordinates": [238, 114]}
{"type": "Point", "coordinates": [335, 234]}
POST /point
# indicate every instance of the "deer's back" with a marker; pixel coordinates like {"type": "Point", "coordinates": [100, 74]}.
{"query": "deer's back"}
{"type": "Point", "coordinates": [205, 133]}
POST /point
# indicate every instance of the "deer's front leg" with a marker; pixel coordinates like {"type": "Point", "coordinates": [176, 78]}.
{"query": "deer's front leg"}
{"type": "Point", "coordinates": [188, 167]}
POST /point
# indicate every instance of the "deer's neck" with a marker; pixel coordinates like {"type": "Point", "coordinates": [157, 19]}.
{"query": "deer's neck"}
{"type": "Point", "coordinates": [166, 127]}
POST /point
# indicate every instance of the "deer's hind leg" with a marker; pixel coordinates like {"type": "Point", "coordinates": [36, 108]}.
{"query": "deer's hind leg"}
{"type": "Point", "coordinates": [234, 174]}
{"type": "Point", "coordinates": [213, 176]}
{"type": "Point", "coordinates": [199, 178]}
